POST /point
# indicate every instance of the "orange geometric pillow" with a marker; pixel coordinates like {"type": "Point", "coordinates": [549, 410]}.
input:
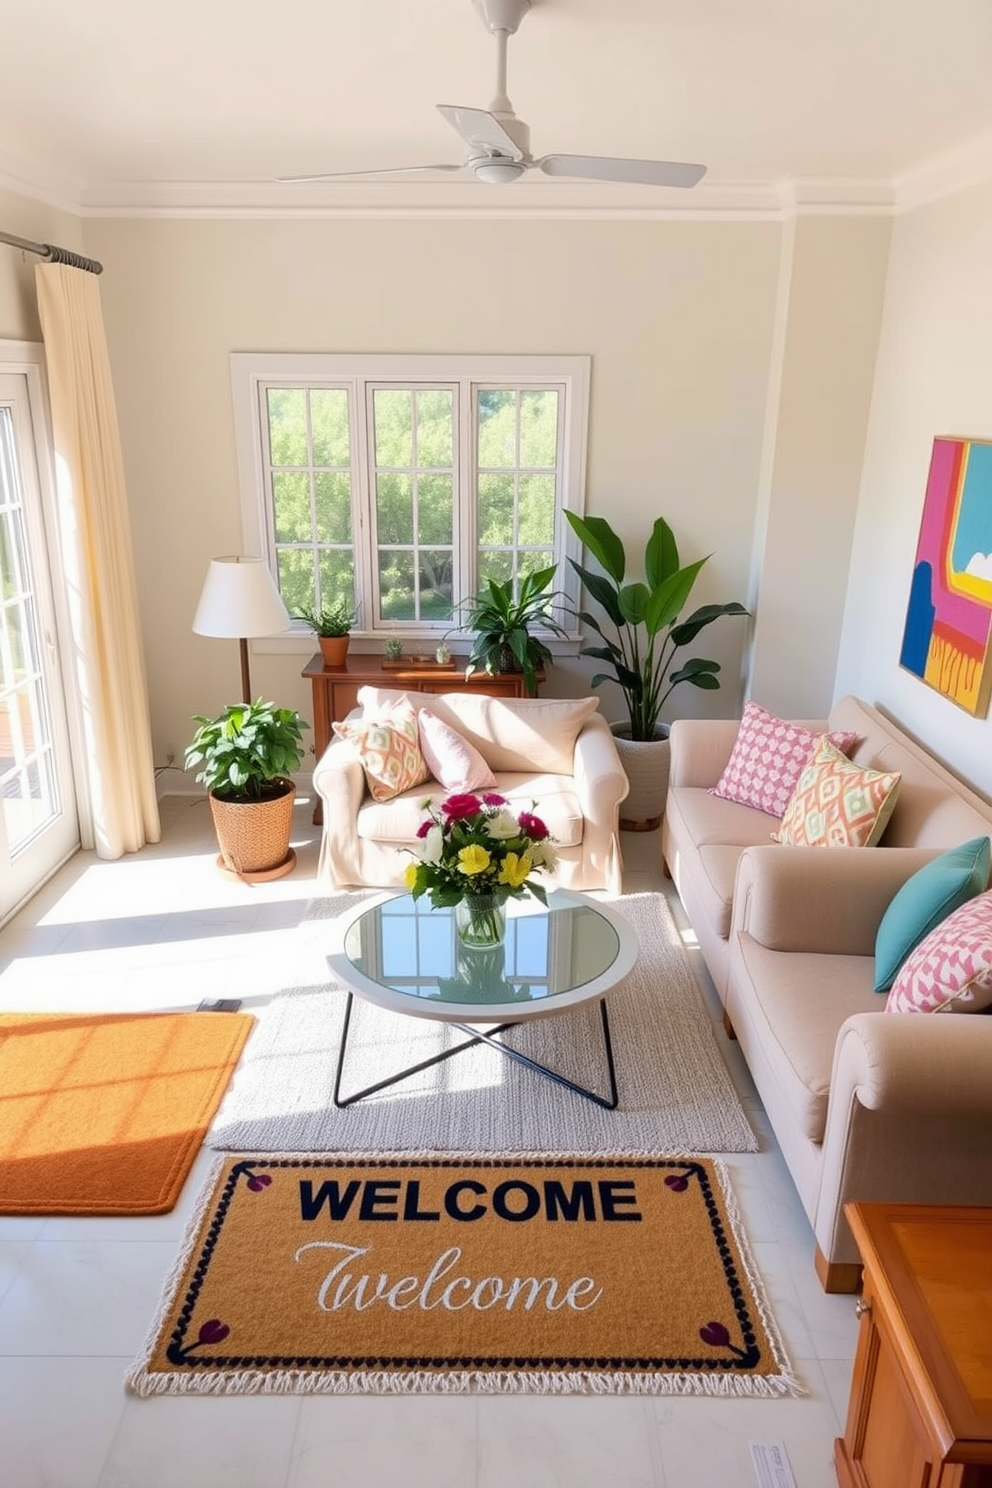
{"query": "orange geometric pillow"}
{"type": "Point", "coordinates": [389, 749]}
{"type": "Point", "coordinates": [837, 803]}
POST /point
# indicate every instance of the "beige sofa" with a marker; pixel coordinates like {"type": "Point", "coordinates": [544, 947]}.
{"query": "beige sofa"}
{"type": "Point", "coordinates": [557, 752]}
{"type": "Point", "coordinates": [864, 1104]}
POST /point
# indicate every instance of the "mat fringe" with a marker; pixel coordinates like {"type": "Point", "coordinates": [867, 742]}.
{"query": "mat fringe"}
{"type": "Point", "coordinates": [140, 1381]}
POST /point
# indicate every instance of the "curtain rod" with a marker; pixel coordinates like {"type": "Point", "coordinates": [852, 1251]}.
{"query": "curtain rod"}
{"type": "Point", "coordinates": [52, 254]}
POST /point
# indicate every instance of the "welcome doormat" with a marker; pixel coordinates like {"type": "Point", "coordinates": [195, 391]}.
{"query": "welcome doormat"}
{"type": "Point", "coordinates": [105, 1113]}
{"type": "Point", "coordinates": [343, 1273]}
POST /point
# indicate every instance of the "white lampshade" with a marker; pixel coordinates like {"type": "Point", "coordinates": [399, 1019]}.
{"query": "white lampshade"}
{"type": "Point", "coordinates": [240, 599]}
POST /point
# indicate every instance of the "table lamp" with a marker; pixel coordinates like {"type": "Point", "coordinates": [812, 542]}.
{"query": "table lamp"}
{"type": "Point", "coordinates": [240, 599]}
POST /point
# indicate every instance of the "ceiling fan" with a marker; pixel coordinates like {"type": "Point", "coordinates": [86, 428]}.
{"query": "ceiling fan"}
{"type": "Point", "coordinates": [499, 143]}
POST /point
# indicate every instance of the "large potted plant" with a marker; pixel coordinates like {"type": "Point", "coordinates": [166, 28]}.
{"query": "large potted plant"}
{"type": "Point", "coordinates": [247, 756]}
{"type": "Point", "coordinates": [331, 624]}
{"type": "Point", "coordinates": [502, 621]}
{"type": "Point", "coordinates": [643, 637]}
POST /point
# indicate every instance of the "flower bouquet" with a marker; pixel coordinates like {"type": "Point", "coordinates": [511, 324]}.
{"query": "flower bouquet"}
{"type": "Point", "coordinates": [474, 853]}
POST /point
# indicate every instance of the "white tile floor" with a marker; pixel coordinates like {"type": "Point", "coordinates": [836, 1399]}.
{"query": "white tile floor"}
{"type": "Point", "coordinates": [162, 929]}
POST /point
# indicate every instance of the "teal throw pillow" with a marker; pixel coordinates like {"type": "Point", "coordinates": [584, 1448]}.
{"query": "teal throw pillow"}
{"type": "Point", "coordinates": [926, 899]}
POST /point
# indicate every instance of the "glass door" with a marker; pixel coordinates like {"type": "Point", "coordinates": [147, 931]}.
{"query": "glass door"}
{"type": "Point", "coordinates": [38, 820]}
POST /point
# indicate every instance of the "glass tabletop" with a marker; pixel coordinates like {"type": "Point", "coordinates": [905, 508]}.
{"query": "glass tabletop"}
{"type": "Point", "coordinates": [411, 951]}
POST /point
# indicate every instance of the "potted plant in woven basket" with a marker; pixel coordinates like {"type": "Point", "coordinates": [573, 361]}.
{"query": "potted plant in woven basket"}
{"type": "Point", "coordinates": [643, 635]}
{"type": "Point", "coordinates": [247, 755]}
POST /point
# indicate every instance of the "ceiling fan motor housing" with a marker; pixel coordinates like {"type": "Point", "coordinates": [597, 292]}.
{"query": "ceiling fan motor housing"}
{"type": "Point", "coordinates": [502, 15]}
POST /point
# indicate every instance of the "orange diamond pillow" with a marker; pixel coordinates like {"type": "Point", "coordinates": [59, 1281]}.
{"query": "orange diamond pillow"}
{"type": "Point", "coordinates": [389, 749]}
{"type": "Point", "coordinates": [838, 803]}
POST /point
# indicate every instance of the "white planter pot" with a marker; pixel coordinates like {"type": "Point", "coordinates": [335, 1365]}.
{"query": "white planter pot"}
{"type": "Point", "coordinates": [646, 765]}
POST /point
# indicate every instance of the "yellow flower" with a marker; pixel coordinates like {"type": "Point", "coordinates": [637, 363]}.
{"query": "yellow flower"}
{"type": "Point", "coordinates": [410, 875]}
{"type": "Point", "coordinates": [473, 859]}
{"type": "Point", "coordinates": [515, 869]}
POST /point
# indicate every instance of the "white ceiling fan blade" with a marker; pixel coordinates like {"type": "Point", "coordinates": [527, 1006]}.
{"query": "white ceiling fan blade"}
{"type": "Point", "coordinates": [481, 130]}
{"type": "Point", "coordinates": [388, 170]}
{"type": "Point", "coordinates": [610, 168]}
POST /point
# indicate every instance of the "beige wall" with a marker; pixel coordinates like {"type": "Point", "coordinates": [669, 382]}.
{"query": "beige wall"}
{"type": "Point", "coordinates": [934, 377]}
{"type": "Point", "coordinates": [39, 224]}
{"type": "Point", "coordinates": [677, 318]}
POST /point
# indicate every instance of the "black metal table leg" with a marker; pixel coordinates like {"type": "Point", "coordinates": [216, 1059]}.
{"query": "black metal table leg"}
{"type": "Point", "coordinates": [542, 1069]}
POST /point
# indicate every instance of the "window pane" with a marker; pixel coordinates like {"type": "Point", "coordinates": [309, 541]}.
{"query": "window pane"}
{"type": "Point", "coordinates": [532, 562]}
{"type": "Point", "coordinates": [393, 418]}
{"type": "Point", "coordinates": [288, 426]}
{"type": "Point", "coordinates": [434, 498]}
{"type": "Point", "coordinates": [539, 428]}
{"type": "Point", "coordinates": [296, 578]}
{"type": "Point", "coordinates": [494, 564]}
{"type": "Point", "coordinates": [435, 432]}
{"type": "Point", "coordinates": [497, 427]}
{"type": "Point", "coordinates": [329, 420]}
{"type": "Point", "coordinates": [495, 509]}
{"type": "Point", "coordinates": [291, 504]}
{"type": "Point", "coordinates": [537, 509]}
{"type": "Point", "coordinates": [332, 490]}
{"type": "Point", "coordinates": [394, 508]}
{"type": "Point", "coordinates": [396, 596]}
{"type": "Point", "coordinates": [435, 584]}
{"type": "Point", "coordinates": [337, 577]}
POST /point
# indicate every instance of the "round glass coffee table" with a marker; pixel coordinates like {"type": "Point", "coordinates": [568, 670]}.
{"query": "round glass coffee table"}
{"type": "Point", "coordinates": [401, 954]}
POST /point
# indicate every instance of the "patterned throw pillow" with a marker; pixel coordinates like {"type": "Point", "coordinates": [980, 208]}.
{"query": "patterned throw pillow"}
{"type": "Point", "coordinates": [837, 803]}
{"type": "Point", "coordinates": [389, 749]}
{"type": "Point", "coordinates": [950, 971]}
{"type": "Point", "coordinates": [452, 760]}
{"type": "Point", "coordinates": [768, 758]}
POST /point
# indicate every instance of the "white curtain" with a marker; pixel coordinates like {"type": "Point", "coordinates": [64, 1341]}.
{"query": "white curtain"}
{"type": "Point", "coordinates": [95, 534]}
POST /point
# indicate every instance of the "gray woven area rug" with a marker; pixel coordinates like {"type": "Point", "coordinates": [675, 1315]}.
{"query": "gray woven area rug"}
{"type": "Point", "coordinates": [676, 1094]}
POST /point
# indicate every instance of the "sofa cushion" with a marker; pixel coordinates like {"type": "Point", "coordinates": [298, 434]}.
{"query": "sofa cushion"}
{"type": "Point", "coordinates": [558, 807]}
{"type": "Point", "coordinates": [451, 759]}
{"type": "Point", "coordinates": [768, 758]}
{"type": "Point", "coordinates": [388, 745]}
{"type": "Point", "coordinates": [838, 803]}
{"type": "Point", "coordinates": [511, 734]}
{"type": "Point", "coordinates": [926, 899]}
{"type": "Point", "coordinates": [951, 970]}
{"type": "Point", "coordinates": [793, 1007]}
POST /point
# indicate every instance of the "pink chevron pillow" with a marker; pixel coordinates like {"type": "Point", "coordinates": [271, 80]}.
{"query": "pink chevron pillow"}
{"type": "Point", "coordinates": [951, 970]}
{"type": "Point", "coordinates": [768, 758]}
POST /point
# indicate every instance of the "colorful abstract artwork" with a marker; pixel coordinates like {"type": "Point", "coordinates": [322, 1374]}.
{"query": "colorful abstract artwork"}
{"type": "Point", "coordinates": [946, 642]}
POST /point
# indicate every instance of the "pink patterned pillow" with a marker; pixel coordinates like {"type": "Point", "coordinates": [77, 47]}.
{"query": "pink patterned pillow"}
{"type": "Point", "coordinates": [951, 970]}
{"type": "Point", "coordinates": [452, 760]}
{"type": "Point", "coordinates": [768, 758]}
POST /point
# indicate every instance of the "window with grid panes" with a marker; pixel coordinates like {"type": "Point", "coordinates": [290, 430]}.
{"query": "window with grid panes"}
{"type": "Point", "coordinates": [401, 485]}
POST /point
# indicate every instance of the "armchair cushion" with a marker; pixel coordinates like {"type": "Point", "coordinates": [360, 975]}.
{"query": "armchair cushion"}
{"type": "Point", "coordinates": [925, 900]}
{"type": "Point", "coordinates": [768, 758]}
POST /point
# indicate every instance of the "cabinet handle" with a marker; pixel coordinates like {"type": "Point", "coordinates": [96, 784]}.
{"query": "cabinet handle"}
{"type": "Point", "coordinates": [861, 1307]}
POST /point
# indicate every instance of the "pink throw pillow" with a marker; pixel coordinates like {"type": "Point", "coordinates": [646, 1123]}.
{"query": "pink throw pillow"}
{"type": "Point", "coordinates": [452, 760]}
{"type": "Point", "coordinates": [951, 970]}
{"type": "Point", "coordinates": [768, 758]}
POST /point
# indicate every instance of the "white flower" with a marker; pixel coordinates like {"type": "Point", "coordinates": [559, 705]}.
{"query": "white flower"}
{"type": "Point", "coordinates": [503, 825]}
{"type": "Point", "coordinates": [432, 846]}
{"type": "Point", "coordinates": [544, 855]}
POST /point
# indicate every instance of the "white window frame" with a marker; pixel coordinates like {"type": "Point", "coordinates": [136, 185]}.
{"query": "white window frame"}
{"type": "Point", "coordinates": [253, 372]}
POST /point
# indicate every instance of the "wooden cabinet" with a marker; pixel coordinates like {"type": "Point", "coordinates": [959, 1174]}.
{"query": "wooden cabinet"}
{"type": "Point", "coordinates": [335, 689]}
{"type": "Point", "coordinates": [920, 1411]}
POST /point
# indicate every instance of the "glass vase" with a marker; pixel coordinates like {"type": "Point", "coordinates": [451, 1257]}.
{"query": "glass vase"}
{"type": "Point", "coordinates": [480, 920]}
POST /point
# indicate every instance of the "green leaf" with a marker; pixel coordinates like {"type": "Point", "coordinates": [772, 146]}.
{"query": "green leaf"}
{"type": "Point", "coordinates": [688, 630]}
{"type": "Point", "coordinates": [668, 600]}
{"type": "Point", "coordinates": [661, 556]}
{"type": "Point", "coordinates": [602, 542]}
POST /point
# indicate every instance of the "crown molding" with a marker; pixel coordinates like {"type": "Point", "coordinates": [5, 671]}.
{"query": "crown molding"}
{"type": "Point", "coordinates": [965, 165]}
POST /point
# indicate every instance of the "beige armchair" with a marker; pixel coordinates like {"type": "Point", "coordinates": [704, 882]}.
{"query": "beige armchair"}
{"type": "Point", "coordinates": [558, 752]}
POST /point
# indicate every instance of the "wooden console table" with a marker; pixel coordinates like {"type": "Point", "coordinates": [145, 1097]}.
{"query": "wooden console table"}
{"type": "Point", "coordinates": [920, 1410]}
{"type": "Point", "coordinates": [335, 690]}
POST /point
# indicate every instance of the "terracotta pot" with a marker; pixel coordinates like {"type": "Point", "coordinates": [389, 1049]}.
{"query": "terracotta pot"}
{"type": "Point", "coordinates": [334, 649]}
{"type": "Point", "coordinates": [253, 836]}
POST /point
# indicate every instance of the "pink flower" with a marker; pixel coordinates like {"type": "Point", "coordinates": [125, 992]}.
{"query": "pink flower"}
{"type": "Point", "coordinates": [460, 805]}
{"type": "Point", "coordinates": [492, 799]}
{"type": "Point", "coordinates": [424, 827]}
{"type": "Point", "coordinates": [533, 826]}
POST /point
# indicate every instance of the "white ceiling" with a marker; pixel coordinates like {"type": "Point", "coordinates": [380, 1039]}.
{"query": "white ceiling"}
{"type": "Point", "coordinates": [116, 104]}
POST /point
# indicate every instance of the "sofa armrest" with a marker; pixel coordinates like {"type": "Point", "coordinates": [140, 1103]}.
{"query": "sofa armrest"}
{"type": "Point", "coordinates": [918, 1064]}
{"type": "Point", "coordinates": [600, 782]}
{"type": "Point", "coordinates": [826, 900]}
{"type": "Point", "coordinates": [339, 780]}
{"type": "Point", "coordinates": [700, 749]}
